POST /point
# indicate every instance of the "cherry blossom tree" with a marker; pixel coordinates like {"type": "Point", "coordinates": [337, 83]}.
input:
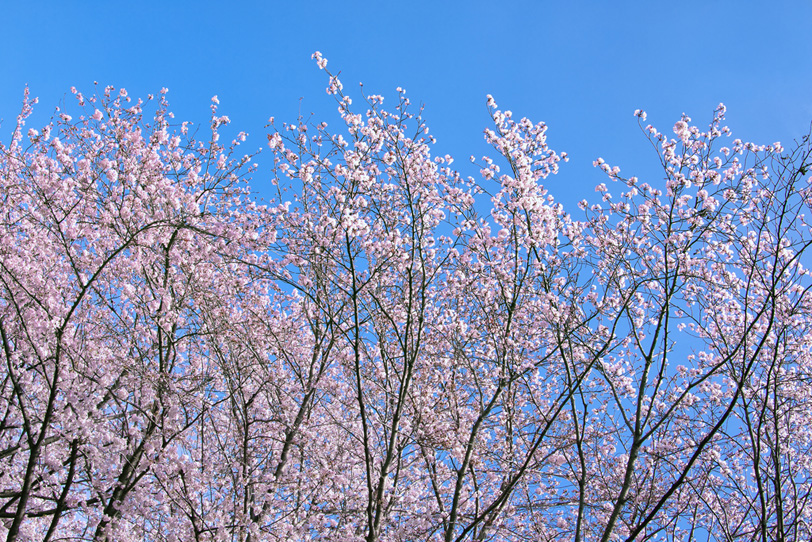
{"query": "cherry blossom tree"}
{"type": "Point", "coordinates": [390, 349]}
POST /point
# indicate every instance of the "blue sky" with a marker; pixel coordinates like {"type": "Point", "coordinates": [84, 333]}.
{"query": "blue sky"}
{"type": "Point", "coordinates": [581, 67]}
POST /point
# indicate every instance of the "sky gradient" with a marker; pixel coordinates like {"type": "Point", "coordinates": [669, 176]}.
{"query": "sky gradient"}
{"type": "Point", "coordinates": [581, 67]}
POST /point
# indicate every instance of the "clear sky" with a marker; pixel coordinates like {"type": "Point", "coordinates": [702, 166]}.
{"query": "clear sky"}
{"type": "Point", "coordinates": [583, 67]}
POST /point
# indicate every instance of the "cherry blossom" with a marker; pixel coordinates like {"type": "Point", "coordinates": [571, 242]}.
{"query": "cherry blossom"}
{"type": "Point", "coordinates": [390, 349]}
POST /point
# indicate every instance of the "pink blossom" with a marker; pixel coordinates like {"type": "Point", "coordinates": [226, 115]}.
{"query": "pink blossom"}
{"type": "Point", "coordinates": [390, 349]}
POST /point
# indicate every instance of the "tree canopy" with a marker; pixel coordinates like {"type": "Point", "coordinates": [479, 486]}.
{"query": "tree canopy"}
{"type": "Point", "coordinates": [389, 349]}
